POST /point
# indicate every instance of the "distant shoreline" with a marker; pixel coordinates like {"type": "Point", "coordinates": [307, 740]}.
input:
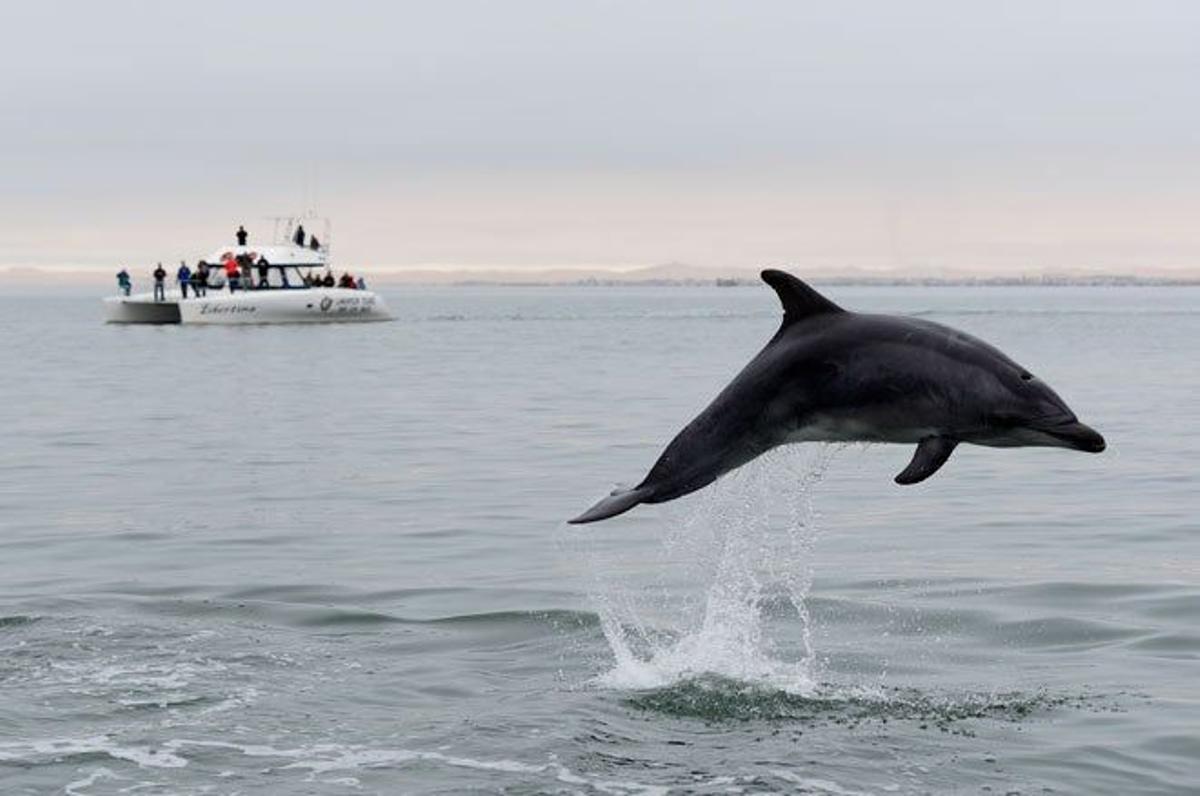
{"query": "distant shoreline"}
{"type": "Point", "coordinates": [1100, 281]}
{"type": "Point", "coordinates": [672, 275]}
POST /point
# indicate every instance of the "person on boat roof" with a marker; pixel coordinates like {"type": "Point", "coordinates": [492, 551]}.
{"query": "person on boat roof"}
{"type": "Point", "coordinates": [160, 290]}
{"type": "Point", "coordinates": [124, 282]}
{"type": "Point", "coordinates": [242, 234]}
{"type": "Point", "coordinates": [184, 277]}
{"type": "Point", "coordinates": [314, 244]}
{"type": "Point", "coordinates": [299, 237]}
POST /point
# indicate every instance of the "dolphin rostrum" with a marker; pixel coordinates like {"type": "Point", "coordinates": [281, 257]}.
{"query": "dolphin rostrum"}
{"type": "Point", "coordinates": [830, 375]}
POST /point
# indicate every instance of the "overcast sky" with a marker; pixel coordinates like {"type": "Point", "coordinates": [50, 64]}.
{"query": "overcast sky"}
{"type": "Point", "coordinates": [997, 135]}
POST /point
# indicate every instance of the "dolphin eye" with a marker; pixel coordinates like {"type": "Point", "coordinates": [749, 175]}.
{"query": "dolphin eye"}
{"type": "Point", "coordinates": [1026, 376]}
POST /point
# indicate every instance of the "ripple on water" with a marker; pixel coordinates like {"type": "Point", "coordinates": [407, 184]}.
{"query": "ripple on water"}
{"type": "Point", "coordinates": [324, 763]}
{"type": "Point", "coordinates": [18, 620]}
{"type": "Point", "coordinates": [721, 699]}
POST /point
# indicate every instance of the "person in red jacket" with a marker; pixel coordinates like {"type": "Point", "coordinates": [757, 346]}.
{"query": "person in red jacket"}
{"type": "Point", "coordinates": [232, 272]}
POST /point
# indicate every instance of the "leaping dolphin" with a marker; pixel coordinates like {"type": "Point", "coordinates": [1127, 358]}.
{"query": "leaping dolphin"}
{"type": "Point", "coordinates": [829, 375]}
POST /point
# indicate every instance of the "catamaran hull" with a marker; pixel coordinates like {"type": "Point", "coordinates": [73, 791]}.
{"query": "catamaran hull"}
{"type": "Point", "coordinates": [316, 305]}
{"type": "Point", "coordinates": [140, 309]}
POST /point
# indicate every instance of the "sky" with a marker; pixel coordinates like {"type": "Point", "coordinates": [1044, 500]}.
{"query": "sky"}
{"type": "Point", "coordinates": [1001, 137]}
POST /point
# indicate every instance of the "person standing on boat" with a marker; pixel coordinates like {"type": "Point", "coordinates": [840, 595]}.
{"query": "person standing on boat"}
{"type": "Point", "coordinates": [264, 270]}
{"type": "Point", "coordinates": [299, 237]}
{"type": "Point", "coordinates": [242, 235]}
{"type": "Point", "coordinates": [124, 283]}
{"type": "Point", "coordinates": [160, 290]}
{"type": "Point", "coordinates": [184, 276]}
{"type": "Point", "coordinates": [200, 283]}
{"type": "Point", "coordinates": [247, 281]}
{"type": "Point", "coordinates": [231, 272]}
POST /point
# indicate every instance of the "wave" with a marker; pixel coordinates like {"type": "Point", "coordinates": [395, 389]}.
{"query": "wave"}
{"type": "Point", "coordinates": [89, 748]}
{"type": "Point", "coordinates": [592, 317]}
{"type": "Point", "coordinates": [310, 762]}
{"type": "Point", "coordinates": [17, 620]}
{"type": "Point", "coordinates": [1009, 312]}
{"type": "Point", "coordinates": [770, 314]}
{"type": "Point", "coordinates": [313, 606]}
{"type": "Point", "coordinates": [293, 610]}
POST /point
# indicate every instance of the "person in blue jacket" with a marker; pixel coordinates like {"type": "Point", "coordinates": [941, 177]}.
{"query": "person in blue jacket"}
{"type": "Point", "coordinates": [124, 283]}
{"type": "Point", "coordinates": [184, 275]}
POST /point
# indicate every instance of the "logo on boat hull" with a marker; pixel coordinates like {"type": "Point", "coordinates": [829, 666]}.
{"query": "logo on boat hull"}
{"type": "Point", "coordinates": [326, 303]}
{"type": "Point", "coordinates": [226, 309]}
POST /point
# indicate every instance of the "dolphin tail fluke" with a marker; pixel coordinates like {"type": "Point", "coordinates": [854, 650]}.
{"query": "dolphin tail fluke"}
{"type": "Point", "coordinates": [619, 502]}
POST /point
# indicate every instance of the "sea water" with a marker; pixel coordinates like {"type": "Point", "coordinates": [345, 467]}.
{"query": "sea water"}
{"type": "Point", "coordinates": [333, 560]}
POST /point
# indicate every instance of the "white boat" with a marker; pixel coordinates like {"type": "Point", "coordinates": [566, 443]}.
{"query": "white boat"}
{"type": "Point", "coordinates": [279, 290]}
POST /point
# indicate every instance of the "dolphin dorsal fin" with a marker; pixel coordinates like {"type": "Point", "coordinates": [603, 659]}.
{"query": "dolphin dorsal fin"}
{"type": "Point", "coordinates": [799, 300]}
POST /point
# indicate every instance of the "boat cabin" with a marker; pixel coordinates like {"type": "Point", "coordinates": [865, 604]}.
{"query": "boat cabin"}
{"type": "Point", "coordinates": [287, 265]}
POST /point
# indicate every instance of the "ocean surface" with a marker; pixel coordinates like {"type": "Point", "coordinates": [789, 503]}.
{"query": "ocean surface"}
{"type": "Point", "coordinates": [333, 559]}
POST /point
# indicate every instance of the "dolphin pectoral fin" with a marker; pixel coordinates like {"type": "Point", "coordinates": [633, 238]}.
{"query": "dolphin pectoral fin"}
{"type": "Point", "coordinates": [619, 502]}
{"type": "Point", "coordinates": [931, 454]}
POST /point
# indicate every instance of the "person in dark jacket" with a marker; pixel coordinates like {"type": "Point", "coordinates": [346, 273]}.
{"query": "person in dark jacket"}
{"type": "Point", "coordinates": [242, 234]}
{"type": "Point", "coordinates": [264, 270]}
{"type": "Point", "coordinates": [299, 236]}
{"type": "Point", "coordinates": [314, 244]}
{"type": "Point", "coordinates": [200, 279]}
{"type": "Point", "coordinates": [160, 290]}
{"type": "Point", "coordinates": [184, 277]}
{"type": "Point", "coordinates": [328, 281]}
{"type": "Point", "coordinates": [124, 282]}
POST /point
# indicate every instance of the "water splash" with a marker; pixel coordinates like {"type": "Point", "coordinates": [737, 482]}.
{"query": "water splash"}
{"type": "Point", "coordinates": [728, 540]}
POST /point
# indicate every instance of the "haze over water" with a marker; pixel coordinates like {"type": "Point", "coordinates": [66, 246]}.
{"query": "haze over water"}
{"type": "Point", "coordinates": [332, 560]}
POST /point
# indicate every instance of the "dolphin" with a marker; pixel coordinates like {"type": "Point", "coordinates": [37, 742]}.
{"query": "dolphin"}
{"type": "Point", "coordinates": [831, 375]}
